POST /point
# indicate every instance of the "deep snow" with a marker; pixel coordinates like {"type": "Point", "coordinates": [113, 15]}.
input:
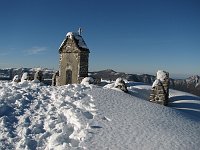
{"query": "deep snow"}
{"type": "Point", "coordinates": [77, 116]}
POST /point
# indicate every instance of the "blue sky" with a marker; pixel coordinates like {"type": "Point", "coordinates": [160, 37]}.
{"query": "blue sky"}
{"type": "Point", "coordinates": [133, 36]}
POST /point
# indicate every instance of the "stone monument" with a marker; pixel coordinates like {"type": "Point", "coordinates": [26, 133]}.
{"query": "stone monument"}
{"type": "Point", "coordinates": [74, 54]}
{"type": "Point", "coordinates": [160, 88]}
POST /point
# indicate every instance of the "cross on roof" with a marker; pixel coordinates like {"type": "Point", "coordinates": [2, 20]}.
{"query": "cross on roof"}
{"type": "Point", "coordinates": [80, 31]}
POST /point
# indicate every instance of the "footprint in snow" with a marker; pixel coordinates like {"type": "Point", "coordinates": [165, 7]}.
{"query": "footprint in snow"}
{"type": "Point", "coordinates": [106, 118]}
{"type": "Point", "coordinates": [95, 125]}
{"type": "Point", "coordinates": [88, 115]}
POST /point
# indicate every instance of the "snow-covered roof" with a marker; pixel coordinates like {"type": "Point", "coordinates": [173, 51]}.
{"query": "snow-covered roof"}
{"type": "Point", "coordinates": [78, 40]}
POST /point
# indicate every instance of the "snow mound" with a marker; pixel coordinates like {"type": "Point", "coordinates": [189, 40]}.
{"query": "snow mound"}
{"type": "Point", "coordinates": [127, 122]}
{"type": "Point", "coordinates": [87, 81]}
{"type": "Point", "coordinates": [43, 117]}
{"type": "Point", "coordinates": [77, 116]}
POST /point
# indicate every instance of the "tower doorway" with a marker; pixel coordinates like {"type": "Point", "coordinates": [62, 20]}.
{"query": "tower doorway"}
{"type": "Point", "coordinates": [68, 76]}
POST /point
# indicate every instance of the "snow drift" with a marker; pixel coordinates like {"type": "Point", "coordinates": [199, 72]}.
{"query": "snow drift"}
{"type": "Point", "coordinates": [34, 116]}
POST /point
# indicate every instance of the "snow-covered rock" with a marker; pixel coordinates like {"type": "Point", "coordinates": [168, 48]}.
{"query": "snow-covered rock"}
{"type": "Point", "coordinates": [38, 76]}
{"type": "Point", "coordinates": [24, 77]}
{"type": "Point", "coordinates": [120, 84]}
{"type": "Point", "coordinates": [87, 81]}
{"type": "Point", "coordinates": [16, 78]}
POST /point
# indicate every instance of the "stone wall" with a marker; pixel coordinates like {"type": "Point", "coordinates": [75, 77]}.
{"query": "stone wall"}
{"type": "Point", "coordinates": [83, 70]}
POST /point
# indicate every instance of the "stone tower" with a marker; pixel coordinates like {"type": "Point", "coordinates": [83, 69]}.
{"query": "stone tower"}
{"type": "Point", "coordinates": [160, 88]}
{"type": "Point", "coordinates": [74, 55]}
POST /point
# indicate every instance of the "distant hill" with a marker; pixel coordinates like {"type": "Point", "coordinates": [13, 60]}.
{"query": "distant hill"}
{"type": "Point", "coordinates": [190, 85]}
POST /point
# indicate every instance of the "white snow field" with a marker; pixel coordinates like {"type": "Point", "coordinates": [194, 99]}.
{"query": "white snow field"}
{"type": "Point", "coordinates": [77, 116]}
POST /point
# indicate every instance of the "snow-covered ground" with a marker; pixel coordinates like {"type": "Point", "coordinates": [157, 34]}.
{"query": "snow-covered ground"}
{"type": "Point", "coordinates": [34, 116]}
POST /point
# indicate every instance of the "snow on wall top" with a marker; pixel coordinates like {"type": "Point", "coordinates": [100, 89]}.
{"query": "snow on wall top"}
{"type": "Point", "coordinates": [76, 36]}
